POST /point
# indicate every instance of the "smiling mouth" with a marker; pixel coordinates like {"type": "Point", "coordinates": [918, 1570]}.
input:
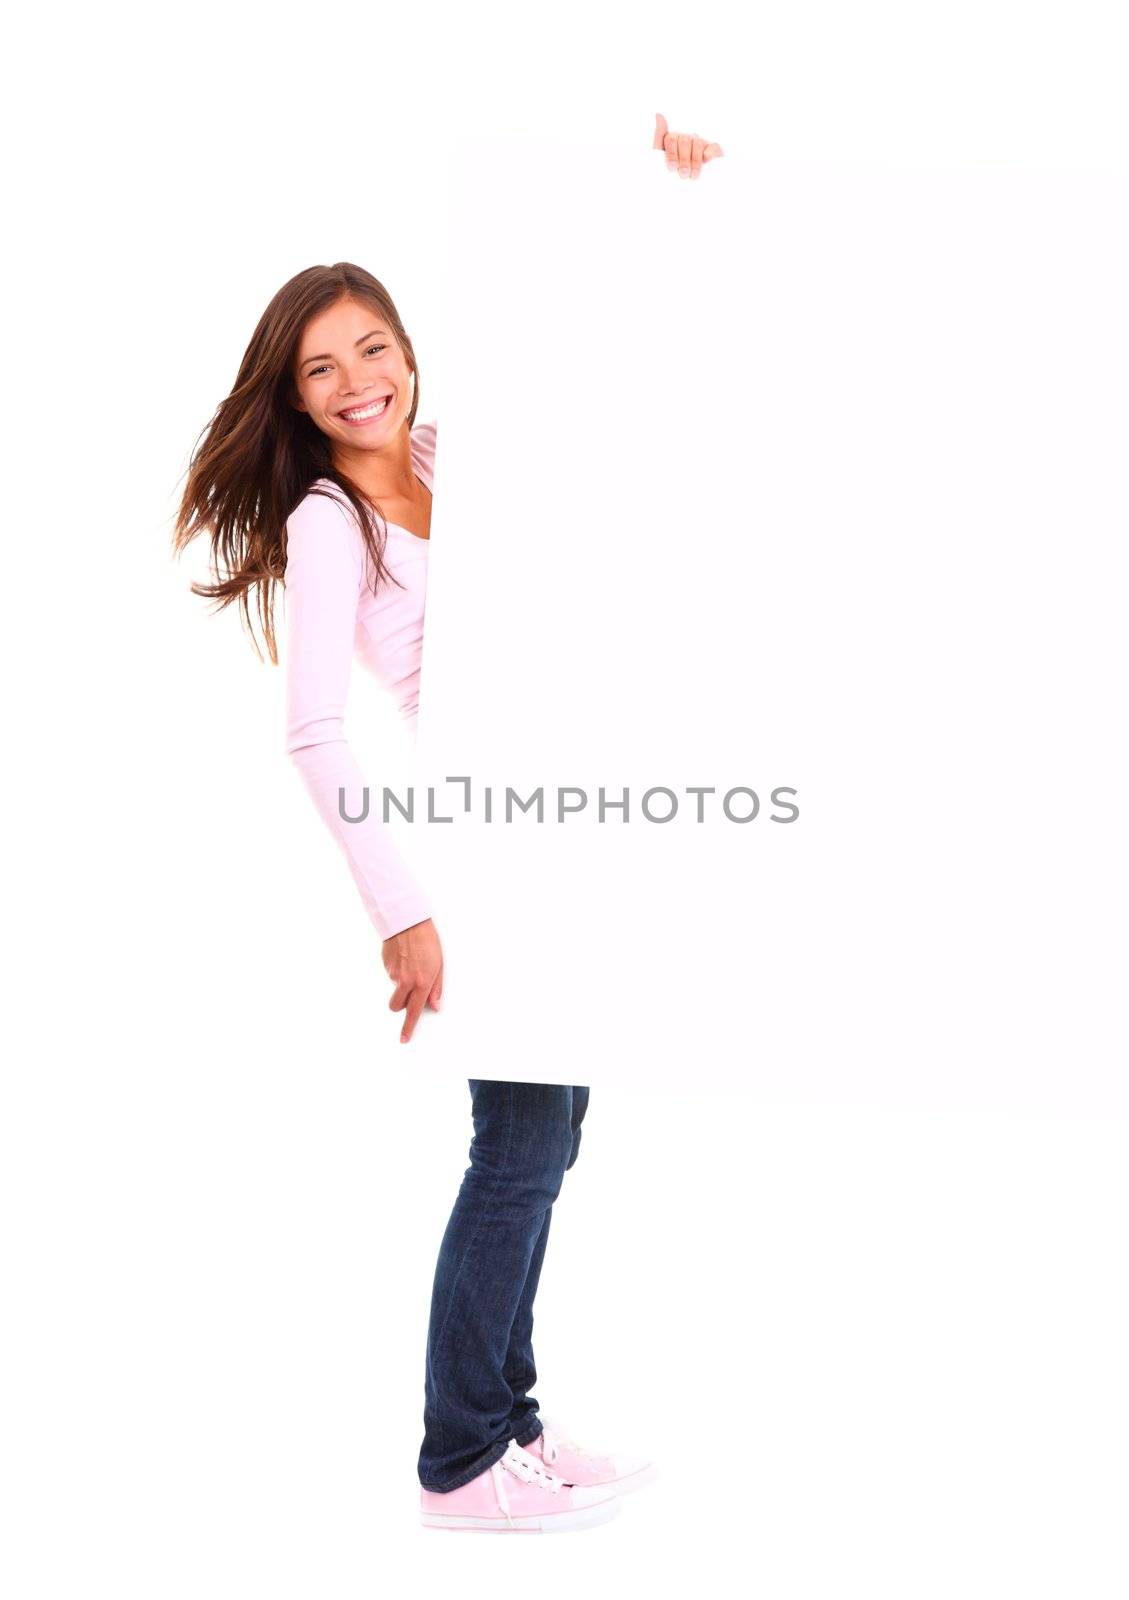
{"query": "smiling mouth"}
{"type": "Point", "coordinates": [375, 408]}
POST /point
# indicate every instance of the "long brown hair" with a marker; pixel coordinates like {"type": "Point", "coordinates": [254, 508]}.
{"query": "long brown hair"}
{"type": "Point", "coordinates": [259, 456]}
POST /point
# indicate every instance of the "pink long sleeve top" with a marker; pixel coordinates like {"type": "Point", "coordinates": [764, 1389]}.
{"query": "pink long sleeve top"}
{"type": "Point", "coordinates": [332, 615]}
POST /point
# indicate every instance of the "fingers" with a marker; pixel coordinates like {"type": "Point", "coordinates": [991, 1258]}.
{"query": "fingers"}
{"type": "Point", "coordinates": [686, 153]}
{"type": "Point", "coordinates": [414, 997]}
{"type": "Point", "coordinates": [401, 995]}
{"type": "Point", "coordinates": [413, 959]}
{"type": "Point", "coordinates": [416, 1002]}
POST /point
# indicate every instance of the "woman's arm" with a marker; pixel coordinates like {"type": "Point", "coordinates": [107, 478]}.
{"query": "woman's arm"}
{"type": "Point", "coordinates": [324, 574]}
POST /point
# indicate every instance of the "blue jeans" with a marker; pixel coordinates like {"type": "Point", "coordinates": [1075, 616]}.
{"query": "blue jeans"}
{"type": "Point", "coordinates": [480, 1369]}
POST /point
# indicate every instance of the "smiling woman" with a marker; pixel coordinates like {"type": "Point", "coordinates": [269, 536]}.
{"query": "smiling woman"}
{"type": "Point", "coordinates": [314, 477]}
{"type": "Point", "coordinates": [340, 510]}
{"type": "Point", "coordinates": [278, 434]}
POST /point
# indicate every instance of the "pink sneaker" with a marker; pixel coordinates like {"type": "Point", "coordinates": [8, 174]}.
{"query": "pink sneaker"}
{"type": "Point", "coordinates": [518, 1494]}
{"type": "Point", "coordinates": [578, 1466]}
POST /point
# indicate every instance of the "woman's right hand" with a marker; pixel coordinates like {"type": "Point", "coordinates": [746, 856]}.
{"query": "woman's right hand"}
{"type": "Point", "coordinates": [413, 959]}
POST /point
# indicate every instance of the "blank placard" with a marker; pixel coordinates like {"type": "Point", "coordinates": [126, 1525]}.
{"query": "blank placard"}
{"type": "Point", "coordinates": [804, 489]}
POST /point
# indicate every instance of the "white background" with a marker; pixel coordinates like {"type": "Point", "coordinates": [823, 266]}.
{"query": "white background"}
{"type": "Point", "coordinates": [865, 1304]}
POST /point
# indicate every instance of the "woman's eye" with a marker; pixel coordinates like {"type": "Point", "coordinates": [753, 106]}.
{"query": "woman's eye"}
{"type": "Point", "coordinates": [316, 370]}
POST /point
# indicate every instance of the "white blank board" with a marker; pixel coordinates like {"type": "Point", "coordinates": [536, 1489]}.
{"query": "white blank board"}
{"type": "Point", "coordinates": [808, 479]}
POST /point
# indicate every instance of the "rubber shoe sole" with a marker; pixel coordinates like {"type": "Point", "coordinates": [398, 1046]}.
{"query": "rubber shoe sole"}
{"type": "Point", "coordinates": [582, 1513]}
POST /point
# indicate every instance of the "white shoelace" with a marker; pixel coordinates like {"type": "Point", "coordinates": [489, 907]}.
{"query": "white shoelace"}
{"type": "Point", "coordinates": [553, 1441]}
{"type": "Point", "coordinates": [523, 1466]}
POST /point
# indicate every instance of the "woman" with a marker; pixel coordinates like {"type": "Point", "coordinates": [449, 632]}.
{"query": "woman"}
{"type": "Point", "coordinates": [315, 474]}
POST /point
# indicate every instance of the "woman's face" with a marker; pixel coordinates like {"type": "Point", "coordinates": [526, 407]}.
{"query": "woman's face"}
{"type": "Point", "coordinates": [347, 363]}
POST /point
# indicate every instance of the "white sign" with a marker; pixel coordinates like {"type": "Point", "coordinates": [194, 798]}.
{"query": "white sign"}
{"type": "Point", "coordinates": [803, 484]}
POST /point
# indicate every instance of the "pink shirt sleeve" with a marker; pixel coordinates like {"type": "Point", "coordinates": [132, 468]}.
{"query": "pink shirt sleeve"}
{"type": "Point", "coordinates": [325, 566]}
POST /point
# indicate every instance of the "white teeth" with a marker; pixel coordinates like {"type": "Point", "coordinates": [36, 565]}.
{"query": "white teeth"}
{"type": "Point", "coordinates": [367, 411]}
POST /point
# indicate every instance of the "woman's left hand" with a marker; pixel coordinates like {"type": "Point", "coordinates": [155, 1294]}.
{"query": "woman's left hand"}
{"type": "Point", "coordinates": [684, 151]}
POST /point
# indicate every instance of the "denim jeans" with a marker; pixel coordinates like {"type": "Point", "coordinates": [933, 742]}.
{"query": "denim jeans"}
{"type": "Point", "coordinates": [480, 1369]}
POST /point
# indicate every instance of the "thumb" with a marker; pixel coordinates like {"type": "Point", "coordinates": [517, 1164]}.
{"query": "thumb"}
{"type": "Point", "coordinates": [660, 131]}
{"type": "Point", "coordinates": [712, 150]}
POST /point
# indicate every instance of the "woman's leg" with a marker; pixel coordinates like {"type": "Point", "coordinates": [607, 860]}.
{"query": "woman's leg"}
{"type": "Point", "coordinates": [520, 1370]}
{"type": "Point", "coordinates": [524, 1141]}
